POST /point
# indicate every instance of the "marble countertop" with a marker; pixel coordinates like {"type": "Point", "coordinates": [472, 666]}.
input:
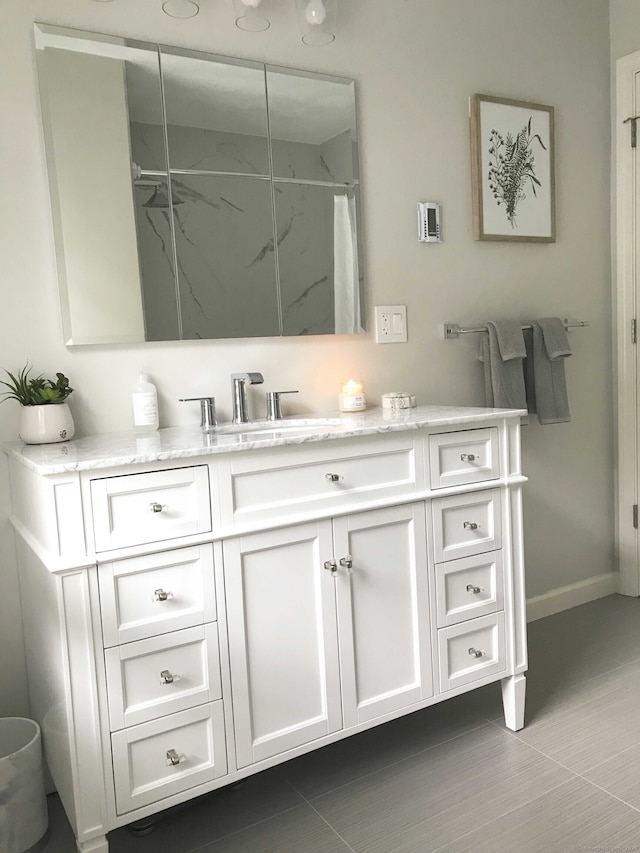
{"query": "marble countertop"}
{"type": "Point", "coordinates": [111, 450]}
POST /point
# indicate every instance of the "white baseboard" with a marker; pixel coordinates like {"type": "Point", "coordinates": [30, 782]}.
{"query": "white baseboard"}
{"type": "Point", "coordinates": [571, 595]}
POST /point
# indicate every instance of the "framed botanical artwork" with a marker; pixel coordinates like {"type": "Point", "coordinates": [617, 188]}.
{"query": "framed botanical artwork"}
{"type": "Point", "coordinates": [512, 170]}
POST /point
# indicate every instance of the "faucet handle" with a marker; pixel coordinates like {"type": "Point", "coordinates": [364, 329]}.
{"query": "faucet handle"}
{"type": "Point", "coordinates": [273, 404]}
{"type": "Point", "coordinates": [207, 411]}
{"type": "Point", "coordinates": [251, 378]}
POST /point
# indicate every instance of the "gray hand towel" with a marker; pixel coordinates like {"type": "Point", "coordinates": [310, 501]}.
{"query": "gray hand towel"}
{"type": "Point", "coordinates": [502, 351]}
{"type": "Point", "coordinates": [529, 381]}
{"type": "Point", "coordinates": [550, 347]}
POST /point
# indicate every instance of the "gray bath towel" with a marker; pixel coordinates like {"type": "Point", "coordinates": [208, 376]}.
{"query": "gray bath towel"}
{"type": "Point", "coordinates": [502, 350]}
{"type": "Point", "coordinates": [549, 347]}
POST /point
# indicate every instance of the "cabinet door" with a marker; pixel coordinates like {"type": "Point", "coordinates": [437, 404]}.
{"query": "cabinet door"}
{"type": "Point", "coordinates": [383, 611]}
{"type": "Point", "coordinates": [282, 639]}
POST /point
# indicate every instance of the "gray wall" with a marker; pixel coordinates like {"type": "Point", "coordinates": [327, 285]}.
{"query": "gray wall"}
{"type": "Point", "coordinates": [415, 63]}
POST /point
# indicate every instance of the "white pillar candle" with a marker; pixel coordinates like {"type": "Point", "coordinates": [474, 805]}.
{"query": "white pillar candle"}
{"type": "Point", "coordinates": [352, 398]}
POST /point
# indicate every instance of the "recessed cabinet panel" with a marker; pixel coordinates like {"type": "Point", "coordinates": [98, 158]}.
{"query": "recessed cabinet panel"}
{"type": "Point", "coordinates": [471, 650]}
{"type": "Point", "coordinates": [470, 587]}
{"type": "Point", "coordinates": [308, 479]}
{"type": "Point", "coordinates": [148, 596]}
{"type": "Point", "coordinates": [464, 525]}
{"type": "Point", "coordinates": [163, 675]}
{"type": "Point", "coordinates": [138, 508]}
{"type": "Point", "coordinates": [167, 756]}
{"type": "Point", "coordinates": [468, 456]}
{"type": "Point", "coordinates": [282, 639]}
{"type": "Point", "coordinates": [383, 611]}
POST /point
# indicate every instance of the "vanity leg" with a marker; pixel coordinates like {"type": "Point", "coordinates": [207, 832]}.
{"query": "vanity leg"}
{"type": "Point", "coordinates": [96, 845]}
{"type": "Point", "coordinates": [513, 693]}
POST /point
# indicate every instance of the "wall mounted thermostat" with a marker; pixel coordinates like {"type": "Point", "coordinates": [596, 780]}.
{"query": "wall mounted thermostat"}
{"type": "Point", "coordinates": [429, 222]}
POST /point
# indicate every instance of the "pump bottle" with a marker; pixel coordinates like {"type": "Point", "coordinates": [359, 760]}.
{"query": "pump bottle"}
{"type": "Point", "coordinates": [144, 399]}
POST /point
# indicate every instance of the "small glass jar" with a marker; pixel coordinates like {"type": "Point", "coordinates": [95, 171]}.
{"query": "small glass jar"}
{"type": "Point", "coordinates": [352, 398]}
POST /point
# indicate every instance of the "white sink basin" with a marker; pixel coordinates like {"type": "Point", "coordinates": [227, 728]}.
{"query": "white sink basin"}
{"type": "Point", "coordinates": [288, 425]}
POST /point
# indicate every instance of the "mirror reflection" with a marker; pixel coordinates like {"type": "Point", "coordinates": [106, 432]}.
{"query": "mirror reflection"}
{"type": "Point", "coordinates": [228, 209]}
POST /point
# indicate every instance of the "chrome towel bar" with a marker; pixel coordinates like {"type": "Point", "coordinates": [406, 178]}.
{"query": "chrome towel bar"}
{"type": "Point", "coordinates": [453, 330]}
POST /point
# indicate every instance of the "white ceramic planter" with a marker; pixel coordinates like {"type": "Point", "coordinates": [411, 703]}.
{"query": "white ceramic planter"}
{"type": "Point", "coordinates": [46, 424]}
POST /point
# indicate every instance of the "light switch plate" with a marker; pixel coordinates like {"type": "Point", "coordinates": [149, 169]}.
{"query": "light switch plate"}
{"type": "Point", "coordinates": [391, 324]}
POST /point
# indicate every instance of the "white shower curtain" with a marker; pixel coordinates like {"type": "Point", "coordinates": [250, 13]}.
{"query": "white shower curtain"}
{"type": "Point", "coordinates": [345, 266]}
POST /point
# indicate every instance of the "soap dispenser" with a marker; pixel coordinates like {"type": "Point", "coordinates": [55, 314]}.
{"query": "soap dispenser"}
{"type": "Point", "coordinates": [144, 398]}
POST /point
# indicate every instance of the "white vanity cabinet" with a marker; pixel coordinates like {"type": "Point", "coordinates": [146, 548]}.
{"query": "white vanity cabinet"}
{"type": "Point", "coordinates": [199, 612]}
{"type": "Point", "coordinates": [329, 627]}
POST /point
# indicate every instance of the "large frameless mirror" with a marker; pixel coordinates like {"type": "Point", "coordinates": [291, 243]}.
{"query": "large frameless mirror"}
{"type": "Point", "coordinates": [196, 196]}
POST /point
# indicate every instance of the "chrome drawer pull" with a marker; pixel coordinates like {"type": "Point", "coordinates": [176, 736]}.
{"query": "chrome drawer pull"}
{"type": "Point", "coordinates": [476, 653]}
{"type": "Point", "coordinates": [154, 506]}
{"type": "Point", "coordinates": [474, 589]}
{"type": "Point", "coordinates": [331, 566]}
{"type": "Point", "coordinates": [161, 595]}
{"type": "Point", "coordinates": [468, 457]}
{"type": "Point", "coordinates": [174, 758]}
{"type": "Point", "coordinates": [332, 478]}
{"type": "Point", "coordinates": [470, 525]}
{"type": "Point", "coordinates": [167, 677]}
{"type": "Point", "coordinates": [346, 562]}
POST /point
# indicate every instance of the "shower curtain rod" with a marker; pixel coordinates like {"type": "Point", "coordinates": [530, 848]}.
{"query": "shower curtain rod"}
{"type": "Point", "coordinates": [453, 330]}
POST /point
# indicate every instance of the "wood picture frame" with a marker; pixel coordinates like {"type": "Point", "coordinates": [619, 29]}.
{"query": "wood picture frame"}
{"type": "Point", "coordinates": [512, 170]}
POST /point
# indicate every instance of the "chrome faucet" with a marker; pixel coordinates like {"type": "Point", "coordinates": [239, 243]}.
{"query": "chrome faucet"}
{"type": "Point", "coordinates": [239, 383]}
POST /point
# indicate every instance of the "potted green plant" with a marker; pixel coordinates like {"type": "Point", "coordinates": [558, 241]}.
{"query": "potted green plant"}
{"type": "Point", "coordinates": [45, 417]}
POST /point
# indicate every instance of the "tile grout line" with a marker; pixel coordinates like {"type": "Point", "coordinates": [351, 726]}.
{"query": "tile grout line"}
{"type": "Point", "coordinates": [479, 725]}
{"type": "Point", "coordinates": [618, 666]}
{"type": "Point", "coordinates": [212, 841]}
{"type": "Point", "coordinates": [322, 818]}
{"type": "Point", "coordinates": [575, 772]}
{"type": "Point", "coordinates": [499, 817]}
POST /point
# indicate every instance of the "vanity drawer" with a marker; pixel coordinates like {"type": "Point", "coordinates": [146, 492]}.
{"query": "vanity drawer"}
{"type": "Point", "coordinates": [150, 595]}
{"type": "Point", "coordinates": [134, 509]}
{"type": "Point", "coordinates": [167, 756]}
{"type": "Point", "coordinates": [470, 587]}
{"type": "Point", "coordinates": [471, 650]}
{"type": "Point", "coordinates": [312, 479]}
{"type": "Point", "coordinates": [464, 525]}
{"type": "Point", "coordinates": [469, 456]}
{"type": "Point", "coordinates": [163, 675]}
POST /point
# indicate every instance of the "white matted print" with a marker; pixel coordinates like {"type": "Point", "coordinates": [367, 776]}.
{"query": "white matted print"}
{"type": "Point", "coordinates": [513, 180]}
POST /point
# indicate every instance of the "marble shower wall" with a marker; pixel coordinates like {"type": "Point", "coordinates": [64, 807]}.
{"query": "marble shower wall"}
{"type": "Point", "coordinates": [225, 239]}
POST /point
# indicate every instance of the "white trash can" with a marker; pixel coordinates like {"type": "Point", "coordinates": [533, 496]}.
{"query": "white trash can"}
{"type": "Point", "coordinates": [23, 803]}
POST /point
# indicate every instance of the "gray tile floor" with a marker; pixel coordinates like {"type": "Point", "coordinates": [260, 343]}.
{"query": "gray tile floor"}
{"type": "Point", "coordinates": [451, 778]}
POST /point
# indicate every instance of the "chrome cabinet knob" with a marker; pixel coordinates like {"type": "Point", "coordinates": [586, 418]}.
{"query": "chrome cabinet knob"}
{"type": "Point", "coordinates": [468, 457]}
{"type": "Point", "coordinates": [161, 595]}
{"type": "Point", "coordinates": [332, 478]}
{"type": "Point", "coordinates": [167, 677]}
{"type": "Point", "coordinates": [470, 525]}
{"type": "Point", "coordinates": [475, 653]}
{"type": "Point", "coordinates": [346, 562]}
{"type": "Point", "coordinates": [156, 507]}
{"type": "Point", "coordinates": [174, 758]}
{"type": "Point", "coordinates": [474, 589]}
{"type": "Point", "coordinates": [331, 566]}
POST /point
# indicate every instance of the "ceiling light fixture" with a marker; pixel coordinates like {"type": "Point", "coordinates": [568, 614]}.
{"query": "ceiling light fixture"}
{"type": "Point", "coordinates": [180, 8]}
{"type": "Point", "coordinates": [317, 21]}
{"type": "Point", "coordinates": [249, 18]}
